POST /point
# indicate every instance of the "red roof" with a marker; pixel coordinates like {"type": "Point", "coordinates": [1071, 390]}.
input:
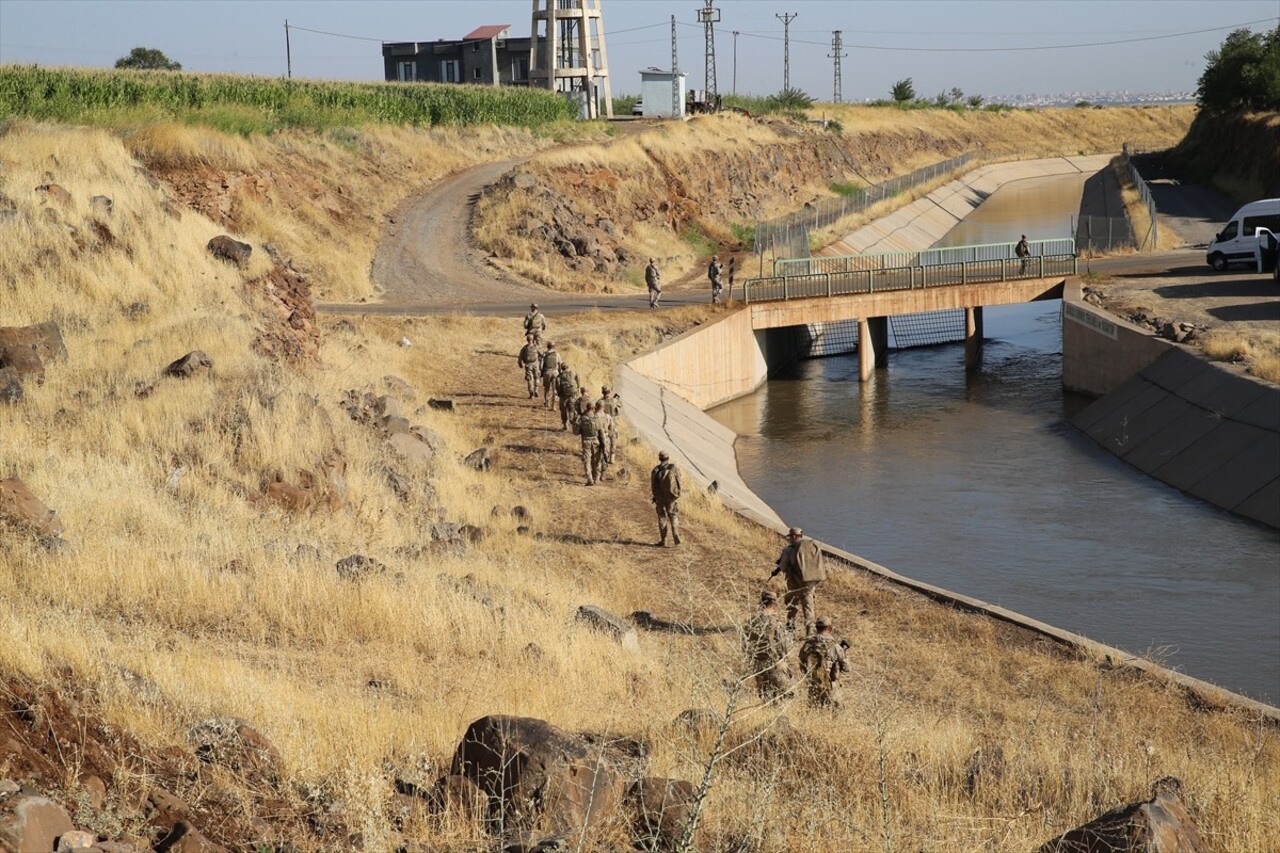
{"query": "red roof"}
{"type": "Point", "coordinates": [492, 31]}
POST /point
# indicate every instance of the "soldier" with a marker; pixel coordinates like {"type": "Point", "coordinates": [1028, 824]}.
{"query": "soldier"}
{"type": "Point", "coordinates": [612, 404]}
{"type": "Point", "coordinates": [530, 357]}
{"type": "Point", "coordinates": [822, 659]}
{"type": "Point", "coordinates": [653, 281]}
{"type": "Point", "coordinates": [534, 323]}
{"type": "Point", "coordinates": [713, 275]}
{"type": "Point", "coordinates": [550, 372]}
{"type": "Point", "coordinates": [664, 485]}
{"type": "Point", "coordinates": [589, 427]}
{"type": "Point", "coordinates": [765, 645]}
{"type": "Point", "coordinates": [801, 563]}
{"type": "Point", "coordinates": [601, 455]}
{"type": "Point", "coordinates": [567, 389]}
{"type": "Point", "coordinates": [582, 405]}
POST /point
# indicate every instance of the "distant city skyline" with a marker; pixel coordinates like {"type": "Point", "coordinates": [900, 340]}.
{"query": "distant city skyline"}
{"type": "Point", "coordinates": [994, 48]}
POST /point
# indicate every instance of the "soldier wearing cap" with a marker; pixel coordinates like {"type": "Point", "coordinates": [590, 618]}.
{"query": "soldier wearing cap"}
{"type": "Point", "coordinates": [590, 426]}
{"type": "Point", "coordinates": [765, 646]}
{"type": "Point", "coordinates": [664, 485]}
{"type": "Point", "coordinates": [535, 323]}
{"type": "Point", "coordinates": [550, 372]}
{"type": "Point", "coordinates": [801, 563]}
{"type": "Point", "coordinates": [530, 359]}
{"type": "Point", "coordinates": [612, 404]}
{"type": "Point", "coordinates": [822, 659]}
{"type": "Point", "coordinates": [603, 451]}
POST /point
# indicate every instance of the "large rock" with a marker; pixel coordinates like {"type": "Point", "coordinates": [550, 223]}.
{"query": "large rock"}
{"type": "Point", "coordinates": [537, 775]}
{"type": "Point", "coordinates": [185, 838]}
{"type": "Point", "coordinates": [606, 623]}
{"type": "Point", "coordinates": [231, 250]}
{"type": "Point", "coordinates": [10, 385]}
{"type": "Point", "coordinates": [45, 338]}
{"type": "Point", "coordinates": [29, 823]}
{"type": "Point", "coordinates": [1158, 825]}
{"type": "Point", "coordinates": [414, 450]}
{"type": "Point", "coordinates": [660, 810]}
{"type": "Point", "coordinates": [22, 360]}
{"type": "Point", "coordinates": [19, 507]}
{"type": "Point", "coordinates": [190, 364]}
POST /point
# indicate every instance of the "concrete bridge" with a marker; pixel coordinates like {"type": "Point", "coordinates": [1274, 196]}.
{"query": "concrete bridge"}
{"type": "Point", "coordinates": [873, 288]}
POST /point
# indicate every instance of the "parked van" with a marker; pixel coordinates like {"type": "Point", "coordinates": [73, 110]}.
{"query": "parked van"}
{"type": "Point", "coordinates": [1237, 243]}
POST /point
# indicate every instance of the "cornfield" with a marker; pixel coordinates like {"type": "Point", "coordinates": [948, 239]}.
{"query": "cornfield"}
{"type": "Point", "coordinates": [263, 104]}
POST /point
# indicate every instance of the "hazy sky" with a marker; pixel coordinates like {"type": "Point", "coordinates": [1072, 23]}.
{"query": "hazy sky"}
{"type": "Point", "coordinates": [1009, 46]}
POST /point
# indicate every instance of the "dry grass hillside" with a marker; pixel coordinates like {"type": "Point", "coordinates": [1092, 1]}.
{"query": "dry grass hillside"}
{"type": "Point", "coordinates": [588, 217]}
{"type": "Point", "coordinates": [197, 576]}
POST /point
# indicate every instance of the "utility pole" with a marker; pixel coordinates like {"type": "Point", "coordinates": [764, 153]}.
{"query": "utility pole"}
{"type": "Point", "coordinates": [786, 48]}
{"type": "Point", "coordinates": [675, 73]}
{"type": "Point", "coordinates": [837, 45]}
{"type": "Point", "coordinates": [288, 54]}
{"type": "Point", "coordinates": [709, 16]}
{"type": "Point", "coordinates": [735, 62]}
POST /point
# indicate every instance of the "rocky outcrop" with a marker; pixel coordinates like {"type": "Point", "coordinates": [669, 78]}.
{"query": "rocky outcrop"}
{"type": "Point", "coordinates": [230, 250]}
{"type": "Point", "coordinates": [660, 811]}
{"type": "Point", "coordinates": [287, 329]}
{"type": "Point", "coordinates": [21, 509]}
{"type": "Point", "coordinates": [189, 365]}
{"type": "Point", "coordinates": [1161, 824]}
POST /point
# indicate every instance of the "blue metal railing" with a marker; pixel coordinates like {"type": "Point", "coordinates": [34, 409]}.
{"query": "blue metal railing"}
{"type": "Point", "coordinates": [919, 257]}
{"type": "Point", "coordinates": [905, 277]}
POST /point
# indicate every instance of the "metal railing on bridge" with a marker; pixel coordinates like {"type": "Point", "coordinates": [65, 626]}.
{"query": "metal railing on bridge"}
{"type": "Point", "coordinates": [919, 257]}
{"type": "Point", "coordinates": [778, 288]}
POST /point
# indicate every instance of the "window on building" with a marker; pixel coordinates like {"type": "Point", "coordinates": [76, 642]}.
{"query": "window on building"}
{"type": "Point", "coordinates": [475, 46]}
{"type": "Point", "coordinates": [520, 69]}
{"type": "Point", "coordinates": [450, 71]}
{"type": "Point", "coordinates": [406, 71]}
{"type": "Point", "coordinates": [479, 72]}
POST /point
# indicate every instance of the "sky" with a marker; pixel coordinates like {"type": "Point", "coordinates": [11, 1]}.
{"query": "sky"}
{"type": "Point", "coordinates": [983, 47]}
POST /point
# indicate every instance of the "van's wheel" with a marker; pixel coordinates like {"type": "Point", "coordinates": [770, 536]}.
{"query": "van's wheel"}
{"type": "Point", "coordinates": [1218, 262]}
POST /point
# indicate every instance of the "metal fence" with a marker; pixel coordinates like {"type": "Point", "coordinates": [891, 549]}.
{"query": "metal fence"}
{"type": "Point", "coordinates": [919, 257]}
{"type": "Point", "coordinates": [826, 284]}
{"type": "Point", "coordinates": [1148, 240]}
{"type": "Point", "coordinates": [1103, 233]}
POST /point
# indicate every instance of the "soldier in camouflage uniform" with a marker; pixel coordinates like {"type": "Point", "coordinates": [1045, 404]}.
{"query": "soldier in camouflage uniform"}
{"type": "Point", "coordinates": [604, 447]}
{"type": "Point", "coordinates": [567, 389]}
{"type": "Point", "coordinates": [801, 564]}
{"type": "Point", "coordinates": [612, 404]}
{"type": "Point", "coordinates": [535, 323]}
{"type": "Point", "coordinates": [550, 371]}
{"type": "Point", "coordinates": [582, 405]}
{"type": "Point", "coordinates": [765, 645]}
{"type": "Point", "coordinates": [822, 659]}
{"type": "Point", "coordinates": [589, 429]}
{"type": "Point", "coordinates": [530, 359]}
{"type": "Point", "coordinates": [664, 485]}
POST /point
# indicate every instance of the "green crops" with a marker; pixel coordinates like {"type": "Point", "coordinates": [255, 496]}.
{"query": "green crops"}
{"type": "Point", "coordinates": [249, 104]}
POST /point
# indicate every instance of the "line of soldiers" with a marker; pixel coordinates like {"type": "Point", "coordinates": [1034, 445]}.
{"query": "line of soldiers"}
{"type": "Point", "coordinates": [767, 641]}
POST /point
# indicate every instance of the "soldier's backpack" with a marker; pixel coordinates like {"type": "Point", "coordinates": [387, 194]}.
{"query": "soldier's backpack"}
{"type": "Point", "coordinates": [587, 426]}
{"type": "Point", "coordinates": [566, 384]}
{"type": "Point", "coordinates": [667, 483]}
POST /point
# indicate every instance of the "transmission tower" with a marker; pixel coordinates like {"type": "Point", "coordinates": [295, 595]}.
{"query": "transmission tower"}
{"type": "Point", "coordinates": [709, 16]}
{"type": "Point", "coordinates": [837, 45]}
{"type": "Point", "coordinates": [786, 47]}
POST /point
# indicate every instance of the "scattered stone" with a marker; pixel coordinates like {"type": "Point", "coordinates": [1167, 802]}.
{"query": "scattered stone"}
{"type": "Point", "coordinates": [29, 822]}
{"type": "Point", "coordinates": [10, 386]}
{"type": "Point", "coordinates": [292, 498]}
{"type": "Point", "coordinates": [345, 327]}
{"type": "Point", "coordinates": [451, 533]}
{"type": "Point", "coordinates": [45, 338]}
{"type": "Point", "coordinates": [1159, 825]}
{"type": "Point", "coordinates": [134, 310]}
{"type": "Point", "coordinates": [713, 487]}
{"type": "Point", "coordinates": [102, 204]}
{"type": "Point", "coordinates": [397, 386]}
{"type": "Point", "coordinates": [698, 721]}
{"type": "Point", "coordinates": [540, 777]}
{"type": "Point", "coordinates": [234, 744]}
{"type": "Point", "coordinates": [532, 652]}
{"type": "Point", "coordinates": [413, 449]}
{"type": "Point", "coordinates": [521, 512]}
{"type": "Point", "coordinates": [185, 838]}
{"type": "Point", "coordinates": [55, 193]}
{"type": "Point", "coordinates": [167, 807]}
{"type": "Point", "coordinates": [55, 545]}
{"type": "Point", "coordinates": [440, 404]}
{"type": "Point", "coordinates": [479, 460]}
{"type": "Point", "coordinates": [18, 506]}
{"type": "Point", "coordinates": [24, 361]}
{"type": "Point", "coordinates": [189, 365]}
{"type": "Point", "coordinates": [405, 343]}
{"type": "Point", "coordinates": [95, 789]}
{"type": "Point", "coordinates": [524, 181]}
{"type": "Point", "coordinates": [395, 425]}
{"type": "Point", "coordinates": [230, 250]}
{"type": "Point", "coordinates": [398, 483]}
{"type": "Point", "coordinates": [457, 794]}
{"type": "Point", "coordinates": [76, 839]}
{"type": "Point", "coordinates": [357, 567]}
{"type": "Point", "coordinates": [660, 810]}
{"type": "Point", "coordinates": [522, 530]}
{"type": "Point", "coordinates": [605, 622]}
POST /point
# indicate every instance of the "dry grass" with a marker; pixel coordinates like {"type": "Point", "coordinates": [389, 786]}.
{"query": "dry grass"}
{"type": "Point", "coordinates": [1259, 350]}
{"type": "Point", "coordinates": [188, 596]}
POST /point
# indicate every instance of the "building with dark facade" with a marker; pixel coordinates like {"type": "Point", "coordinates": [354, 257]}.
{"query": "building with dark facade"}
{"type": "Point", "coordinates": [487, 55]}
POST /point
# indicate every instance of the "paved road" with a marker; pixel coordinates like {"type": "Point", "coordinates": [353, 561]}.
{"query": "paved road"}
{"type": "Point", "coordinates": [1192, 211]}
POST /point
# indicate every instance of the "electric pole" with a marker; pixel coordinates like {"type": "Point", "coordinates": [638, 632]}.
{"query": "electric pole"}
{"type": "Point", "coordinates": [786, 48]}
{"type": "Point", "coordinates": [675, 73]}
{"type": "Point", "coordinates": [288, 54]}
{"type": "Point", "coordinates": [735, 62]}
{"type": "Point", "coordinates": [837, 45]}
{"type": "Point", "coordinates": [709, 16]}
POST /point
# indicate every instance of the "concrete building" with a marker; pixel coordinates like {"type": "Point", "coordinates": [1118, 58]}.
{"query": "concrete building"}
{"type": "Point", "coordinates": [487, 55]}
{"type": "Point", "coordinates": [655, 93]}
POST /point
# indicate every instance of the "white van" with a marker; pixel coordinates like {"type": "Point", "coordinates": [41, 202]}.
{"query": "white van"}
{"type": "Point", "coordinates": [1237, 243]}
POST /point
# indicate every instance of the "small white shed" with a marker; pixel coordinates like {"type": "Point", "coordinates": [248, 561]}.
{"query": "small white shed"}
{"type": "Point", "coordinates": [655, 92]}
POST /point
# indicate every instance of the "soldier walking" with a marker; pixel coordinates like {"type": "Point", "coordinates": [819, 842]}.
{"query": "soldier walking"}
{"type": "Point", "coordinates": [822, 659]}
{"type": "Point", "coordinates": [550, 372]}
{"type": "Point", "coordinates": [530, 358]}
{"type": "Point", "coordinates": [653, 281]}
{"type": "Point", "coordinates": [801, 564]}
{"type": "Point", "coordinates": [612, 404]}
{"type": "Point", "coordinates": [535, 323]}
{"type": "Point", "coordinates": [664, 485]}
{"type": "Point", "coordinates": [1023, 251]}
{"type": "Point", "coordinates": [582, 405]}
{"type": "Point", "coordinates": [765, 645]}
{"type": "Point", "coordinates": [603, 450]}
{"type": "Point", "coordinates": [589, 427]}
{"type": "Point", "coordinates": [567, 390]}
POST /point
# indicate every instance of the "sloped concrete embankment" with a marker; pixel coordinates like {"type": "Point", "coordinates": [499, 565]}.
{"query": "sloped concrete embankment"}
{"type": "Point", "coordinates": [1201, 426]}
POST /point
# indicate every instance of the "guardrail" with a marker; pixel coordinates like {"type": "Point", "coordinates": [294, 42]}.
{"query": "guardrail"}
{"type": "Point", "coordinates": [919, 257]}
{"type": "Point", "coordinates": [779, 288]}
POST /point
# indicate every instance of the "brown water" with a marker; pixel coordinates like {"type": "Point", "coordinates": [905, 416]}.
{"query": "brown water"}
{"type": "Point", "coordinates": [976, 483]}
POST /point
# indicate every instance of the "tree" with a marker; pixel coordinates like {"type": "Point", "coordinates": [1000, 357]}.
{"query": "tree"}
{"type": "Point", "coordinates": [144, 58]}
{"type": "Point", "coordinates": [1243, 74]}
{"type": "Point", "coordinates": [975, 101]}
{"type": "Point", "coordinates": [791, 99]}
{"type": "Point", "coordinates": [957, 94]}
{"type": "Point", "coordinates": [903, 90]}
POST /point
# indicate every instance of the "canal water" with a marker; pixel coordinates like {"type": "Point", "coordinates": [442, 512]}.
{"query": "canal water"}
{"type": "Point", "coordinates": [976, 483]}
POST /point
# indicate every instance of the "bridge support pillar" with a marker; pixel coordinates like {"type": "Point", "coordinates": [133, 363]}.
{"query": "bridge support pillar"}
{"type": "Point", "coordinates": [873, 345]}
{"type": "Point", "coordinates": [973, 338]}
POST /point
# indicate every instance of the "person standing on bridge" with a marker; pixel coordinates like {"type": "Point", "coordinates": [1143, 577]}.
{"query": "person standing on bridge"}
{"type": "Point", "coordinates": [1023, 251]}
{"type": "Point", "coordinates": [653, 280]}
